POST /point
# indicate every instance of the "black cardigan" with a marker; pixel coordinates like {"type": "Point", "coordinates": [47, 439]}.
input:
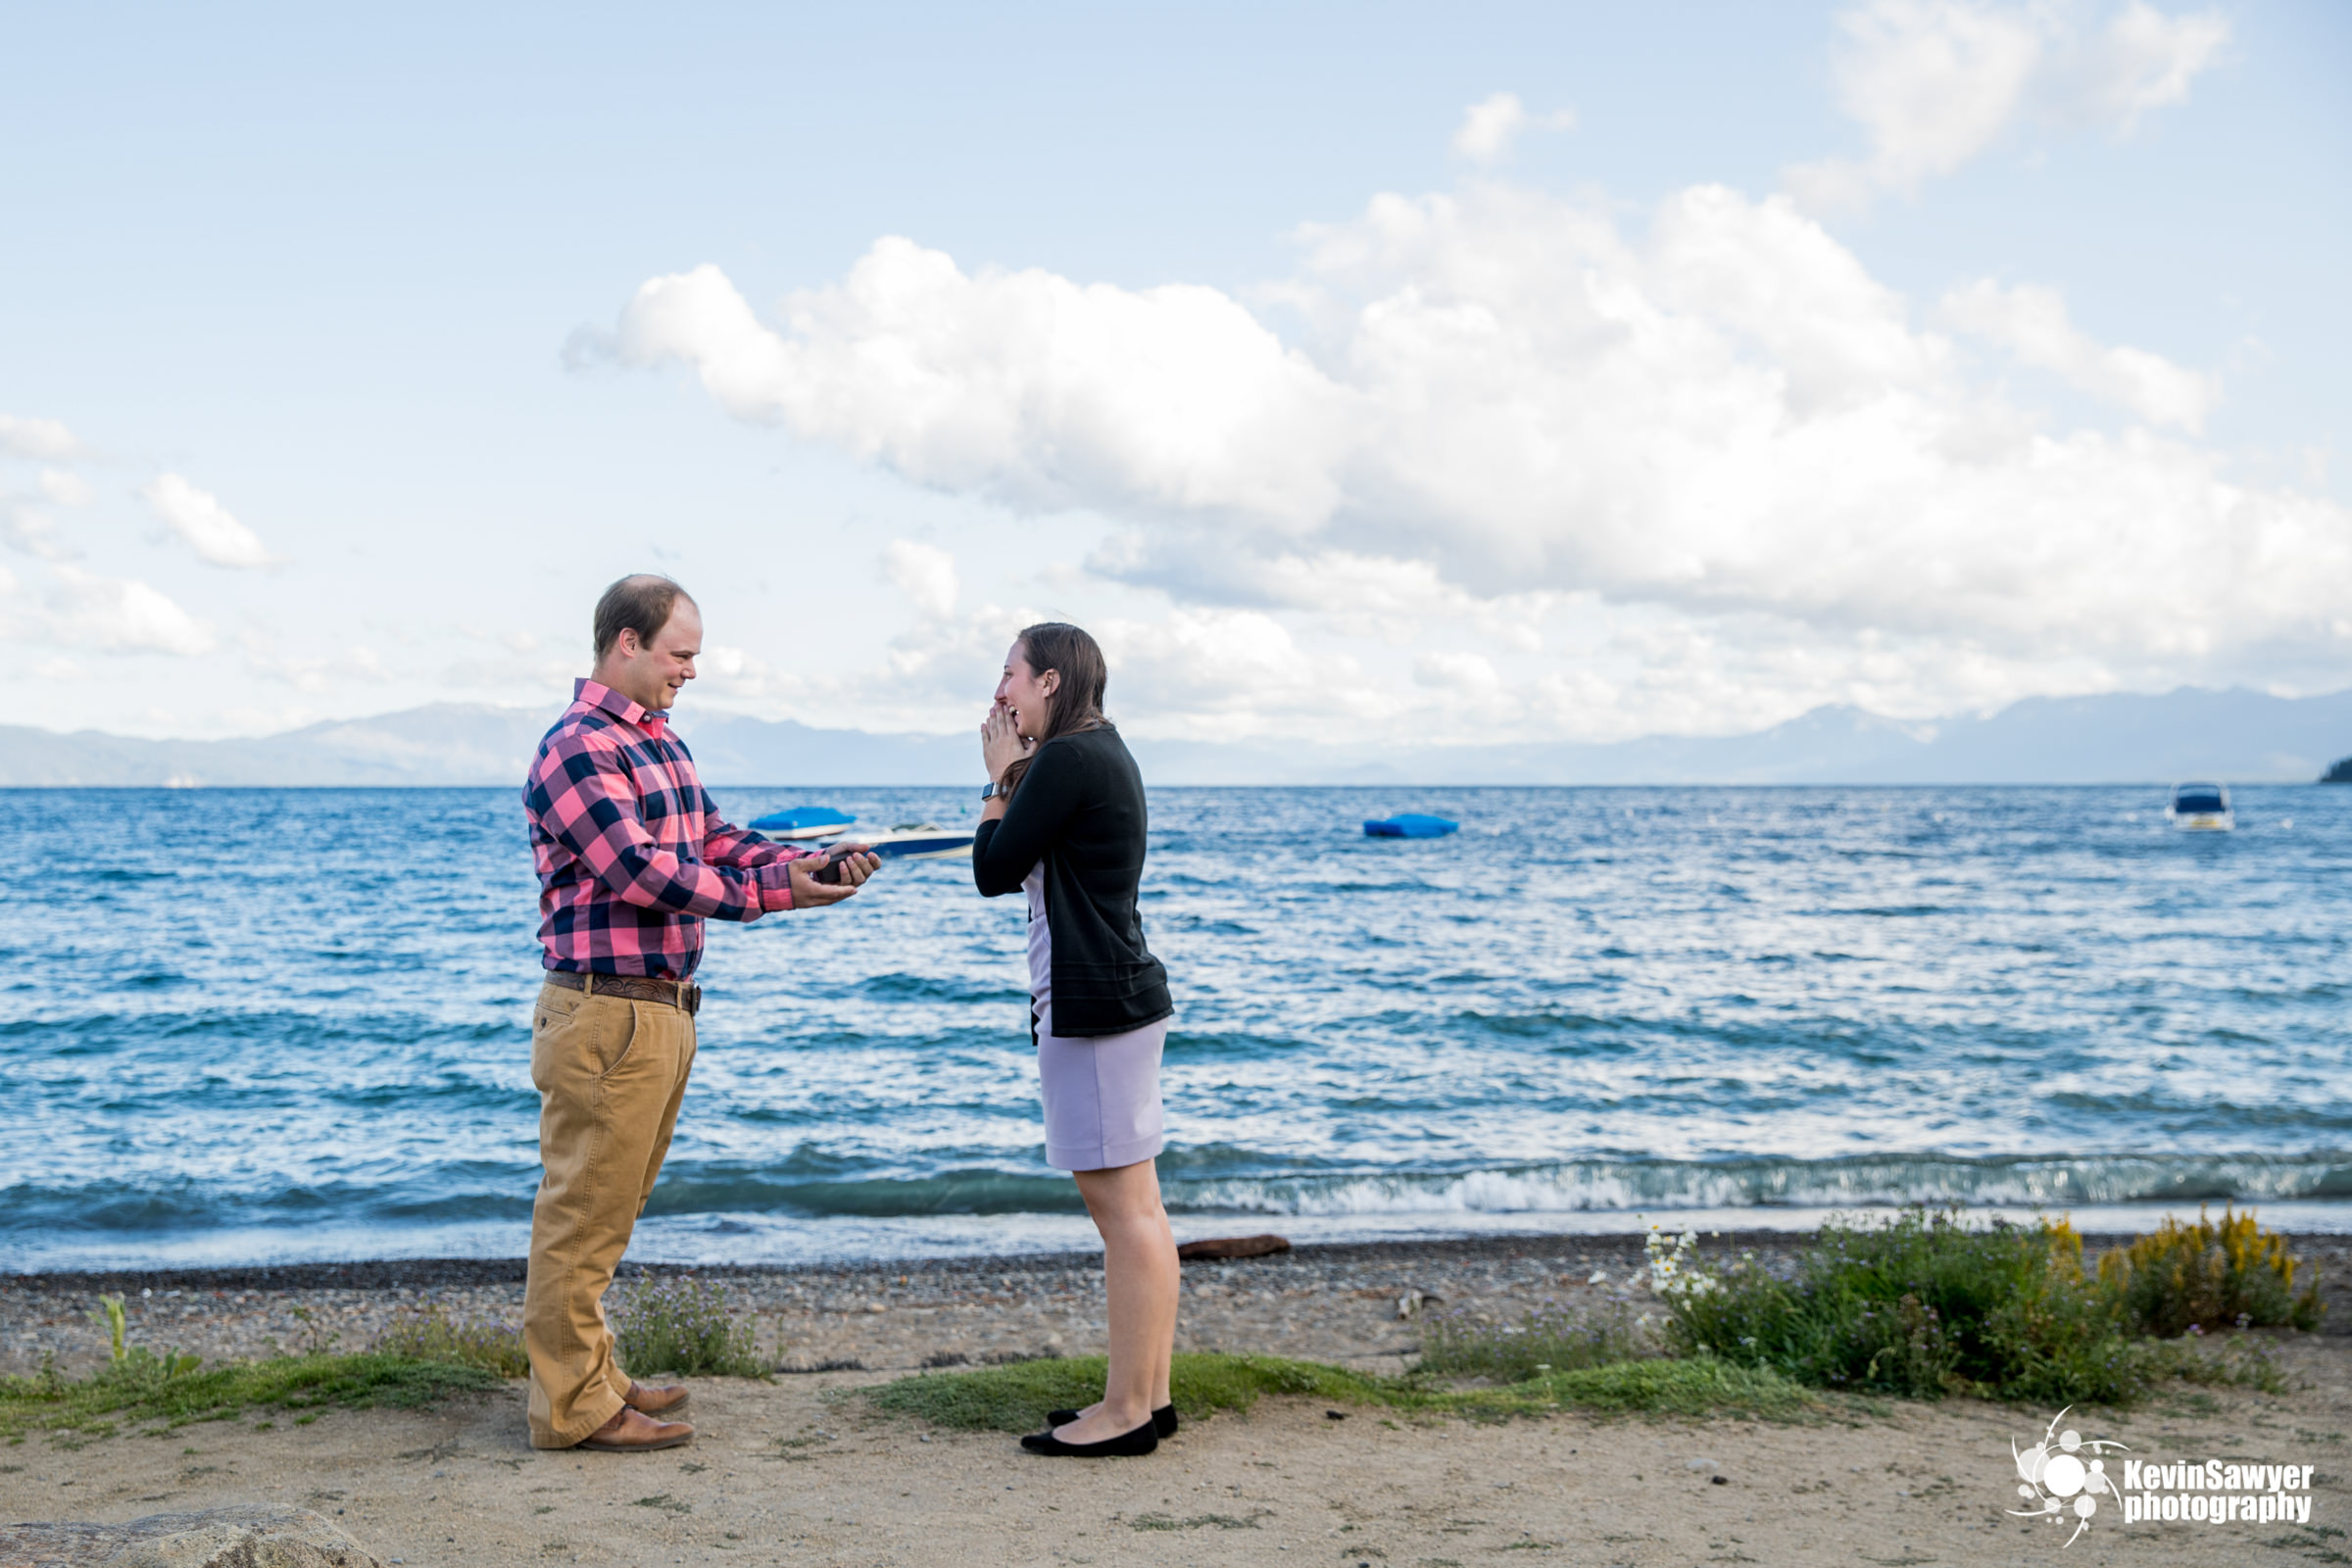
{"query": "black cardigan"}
{"type": "Point", "coordinates": [1080, 809]}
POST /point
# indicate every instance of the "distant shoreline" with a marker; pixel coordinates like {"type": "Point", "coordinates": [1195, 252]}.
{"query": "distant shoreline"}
{"type": "Point", "coordinates": [2236, 735]}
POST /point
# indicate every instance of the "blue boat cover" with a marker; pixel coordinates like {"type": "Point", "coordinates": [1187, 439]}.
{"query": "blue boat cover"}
{"type": "Point", "coordinates": [801, 818]}
{"type": "Point", "coordinates": [1409, 825]}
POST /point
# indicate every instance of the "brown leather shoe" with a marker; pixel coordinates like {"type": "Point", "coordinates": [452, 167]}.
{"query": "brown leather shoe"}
{"type": "Point", "coordinates": [633, 1432]}
{"type": "Point", "coordinates": [654, 1401]}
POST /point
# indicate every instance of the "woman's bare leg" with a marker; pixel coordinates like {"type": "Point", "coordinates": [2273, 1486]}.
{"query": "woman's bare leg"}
{"type": "Point", "coordinates": [1141, 1274]}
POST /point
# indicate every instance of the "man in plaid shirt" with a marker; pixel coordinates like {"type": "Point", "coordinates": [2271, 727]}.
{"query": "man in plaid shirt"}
{"type": "Point", "coordinates": [632, 859]}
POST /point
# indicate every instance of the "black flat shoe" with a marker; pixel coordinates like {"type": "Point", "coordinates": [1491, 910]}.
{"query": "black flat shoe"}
{"type": "Point", "coordinates": [1163, 1420]}
{"type": "Point", "coordinates": [1126, 1446]}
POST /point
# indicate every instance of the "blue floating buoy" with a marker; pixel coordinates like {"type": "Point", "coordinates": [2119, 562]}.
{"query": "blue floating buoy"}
{"type": "Point", "coordinates": [1409, 825]}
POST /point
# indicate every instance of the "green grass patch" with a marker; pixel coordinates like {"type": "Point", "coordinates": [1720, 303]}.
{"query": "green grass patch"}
{"type": "Point", "coordinates": [1016, 1397]}
{"type": "Point", "coordinates": [174, 1392]}
{"type": "Point", "coordinates": [432, 1335]}
{"type": "Point", "coordinates": [1199, 1521]}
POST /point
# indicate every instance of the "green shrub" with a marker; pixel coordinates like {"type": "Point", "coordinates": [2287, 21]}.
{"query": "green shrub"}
{"type": "Point", "coordinates": [433, 1336]}
{"type": "Point", "coordinates": [1924, 1305]}
{"type": "Point", "coordinates": [682, 1326]}
{"type": "Point", "coordinates": [2207, 1276]}
{"type": "Point", "coordinates": [1552, 1337]}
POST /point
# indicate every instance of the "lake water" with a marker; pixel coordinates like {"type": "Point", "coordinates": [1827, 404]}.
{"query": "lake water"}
{"type": "Point", "coordinates": [248, 1025]}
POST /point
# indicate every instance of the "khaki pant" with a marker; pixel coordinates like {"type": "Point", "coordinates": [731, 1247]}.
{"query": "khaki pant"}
{"type": "Point", "coordinates": [611, 1073]}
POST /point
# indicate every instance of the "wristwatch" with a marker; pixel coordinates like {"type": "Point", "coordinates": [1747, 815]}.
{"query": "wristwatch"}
{"type": "Point", "coordinates": [990, 793]}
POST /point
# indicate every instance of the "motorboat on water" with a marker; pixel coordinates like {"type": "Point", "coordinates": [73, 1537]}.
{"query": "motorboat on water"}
{"type": "Point", "coordinates": [920, 841]}
{"type": "Point", "coordinates": [2201, 808]}
{"type": "Point", "coordinates": [906, 841]}
{"type": "Point", "coordinates": [1409, 825]}
{"type": "Point", "coordinates": [804, 824]}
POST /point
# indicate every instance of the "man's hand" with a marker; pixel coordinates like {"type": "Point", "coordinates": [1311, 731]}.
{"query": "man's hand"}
{"type": "Point", "coordinates": [807, 893]}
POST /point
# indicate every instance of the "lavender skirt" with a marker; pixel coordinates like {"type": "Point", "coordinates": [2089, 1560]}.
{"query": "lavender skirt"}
{"type": "Point", "coordinates": [1102, 1095]}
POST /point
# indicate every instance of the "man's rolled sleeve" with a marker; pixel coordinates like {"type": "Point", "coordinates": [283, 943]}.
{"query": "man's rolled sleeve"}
{"type": "Point", "coordinates": [725, 844]}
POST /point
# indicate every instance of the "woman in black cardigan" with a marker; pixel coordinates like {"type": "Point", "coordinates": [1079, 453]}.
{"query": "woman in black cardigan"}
{"type": "Point", "coordinates": [1065, 824]}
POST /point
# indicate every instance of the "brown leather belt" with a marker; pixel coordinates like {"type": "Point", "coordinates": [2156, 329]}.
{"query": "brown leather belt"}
{"type": "Point", "coordinates": [683, 995]}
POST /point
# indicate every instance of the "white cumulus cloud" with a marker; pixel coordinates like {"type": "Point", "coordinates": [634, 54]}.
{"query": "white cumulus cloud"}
{"type": "Point", "coordinates": [1465, 675]}
{"type": "Point", "coordinates": [1933, 83]}
{"type": "Point", "coordinates": [204, 524]}
{"type": "Point", "coordinates": [66, 488]}
{"type": "Point", "coordinates": [44, 440]}
{"type": "Point", "coordinates": [1210, 672]}
{"type": "Point", "coordinates": [1022, 386]}
{"type": "Point", "coordinates": [924, 573]}
{"type": "Point", "coordinates": [2144, 60]}
{"type": "Point", "coordinates": [29, 529]}
{"type": "Point", "coordinates": [2031, 324]}
{"type": "Point", "coordinates": [1490, 127]}
{"type": "Point", "coordinates": [122, 616]}
{"type": "Point", "coordinates": [1504, 403]}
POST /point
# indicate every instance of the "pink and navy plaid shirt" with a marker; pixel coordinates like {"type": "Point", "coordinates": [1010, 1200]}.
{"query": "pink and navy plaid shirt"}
{"type": "Point", "coordinates": [632, 854]}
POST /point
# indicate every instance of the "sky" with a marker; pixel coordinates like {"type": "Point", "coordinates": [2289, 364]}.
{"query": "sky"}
{"type": "Point", "coordinates": [1371, 374]}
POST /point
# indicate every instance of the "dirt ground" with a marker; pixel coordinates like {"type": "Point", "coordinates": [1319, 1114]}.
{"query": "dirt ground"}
{"type": "Point", "coordinates": [799, 1471]}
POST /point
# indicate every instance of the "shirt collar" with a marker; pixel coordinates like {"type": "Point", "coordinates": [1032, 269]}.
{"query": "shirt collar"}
{"type": "Point", "coordinates": [597, 695]}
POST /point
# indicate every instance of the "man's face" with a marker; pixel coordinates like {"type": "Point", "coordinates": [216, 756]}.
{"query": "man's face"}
{"type": "Point", "coordinates": [650, 675]}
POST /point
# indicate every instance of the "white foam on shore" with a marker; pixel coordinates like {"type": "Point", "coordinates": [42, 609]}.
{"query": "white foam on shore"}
{"type": "Point", "coordinates": [1617, 1186]}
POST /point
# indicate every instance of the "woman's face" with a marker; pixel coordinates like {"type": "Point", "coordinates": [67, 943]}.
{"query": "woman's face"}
{"type": "Point", "coordinates": [1024, 693]}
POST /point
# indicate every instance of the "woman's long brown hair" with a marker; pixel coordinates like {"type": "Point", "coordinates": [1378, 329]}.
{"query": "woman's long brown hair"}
{"type": "Point", "coordinates": [1077, 703]}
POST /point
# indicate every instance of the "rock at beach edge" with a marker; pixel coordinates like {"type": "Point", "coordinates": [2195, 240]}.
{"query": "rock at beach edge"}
{"type": "Point", "coordinates": [1223, 1247]}
{"type": "Point", "coordinates": [218, 1538]}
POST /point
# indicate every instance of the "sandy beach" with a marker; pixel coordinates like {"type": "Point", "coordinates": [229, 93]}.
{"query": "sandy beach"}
{"type": "Point", "coordinates": [801, 1471]}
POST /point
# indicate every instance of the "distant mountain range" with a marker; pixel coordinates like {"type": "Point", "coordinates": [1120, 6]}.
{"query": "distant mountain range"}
{"type": "Point", "coordinates": [2237, 736]}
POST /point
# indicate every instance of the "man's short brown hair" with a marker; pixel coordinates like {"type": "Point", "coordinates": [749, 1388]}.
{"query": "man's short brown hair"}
{"type": "Point", "coordinates": [641, 603]}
